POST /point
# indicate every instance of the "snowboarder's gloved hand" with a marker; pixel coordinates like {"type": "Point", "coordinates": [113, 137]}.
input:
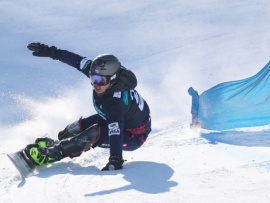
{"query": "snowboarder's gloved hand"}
{"type": "Point", "coordinates": [71, 130]}
{"type": "Point", "coordinates": [115, 163]}
{"type": "Point", "coordinates": [42, 50]}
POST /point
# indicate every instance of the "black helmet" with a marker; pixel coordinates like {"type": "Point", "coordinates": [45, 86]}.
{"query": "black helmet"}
{"type": "Point", "coordinates": [105, 65]}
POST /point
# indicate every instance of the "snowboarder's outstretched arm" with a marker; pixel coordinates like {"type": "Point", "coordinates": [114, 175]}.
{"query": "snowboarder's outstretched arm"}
{"type": "Point", "coordinates": [42, 50]}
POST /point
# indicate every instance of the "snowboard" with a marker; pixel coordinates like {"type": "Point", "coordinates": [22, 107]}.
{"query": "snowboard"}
{"type": "Point", "coordinates": [22, 163]}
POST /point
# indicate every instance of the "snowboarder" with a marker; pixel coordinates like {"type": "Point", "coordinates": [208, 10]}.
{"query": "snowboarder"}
{"type": "Point", "coordinates": [122, 121]}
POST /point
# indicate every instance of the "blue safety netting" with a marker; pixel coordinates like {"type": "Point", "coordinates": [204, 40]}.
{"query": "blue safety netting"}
{"type": "Point", "coordinates": [235, 104]}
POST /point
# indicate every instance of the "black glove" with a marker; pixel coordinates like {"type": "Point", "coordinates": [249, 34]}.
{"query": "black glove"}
{"type": "Point", "coordinates": [115, 163]}
{"type": "Point", "coordinates": [42, 50]}
{"type": "Point", "coordinates": [71, 130]}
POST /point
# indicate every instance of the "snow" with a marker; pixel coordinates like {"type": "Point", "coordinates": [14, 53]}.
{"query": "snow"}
{"type": "Point", "coordinates": [170, 45]}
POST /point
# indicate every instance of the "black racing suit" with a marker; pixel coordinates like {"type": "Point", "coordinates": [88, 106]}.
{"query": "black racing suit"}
{"type": "Point", "coordinates": [122, 114]}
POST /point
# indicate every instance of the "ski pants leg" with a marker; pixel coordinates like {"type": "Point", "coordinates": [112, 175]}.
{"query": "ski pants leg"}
{"type": "Point", "coordinates": [80, 143]}
{"type": "Point", "coordinates": [133, 138]}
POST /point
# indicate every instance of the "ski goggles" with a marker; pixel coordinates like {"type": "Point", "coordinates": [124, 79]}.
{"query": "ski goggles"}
{"type": "Point", "coordinates": [99, 80]}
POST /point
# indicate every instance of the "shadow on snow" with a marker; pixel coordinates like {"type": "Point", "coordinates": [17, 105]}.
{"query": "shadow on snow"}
{"type": "Point", "coordinates": [143, 176]}
{"type": "Point", "coordinates": [147, 177]}
{"type": "Point", "coordinates": [240, 138]}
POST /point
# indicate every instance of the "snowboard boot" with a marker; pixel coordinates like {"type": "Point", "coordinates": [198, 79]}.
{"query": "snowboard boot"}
{"type": "Point", "coordinates": [46, 142]}
{"type": "Point", "coordinates": [43, 155]}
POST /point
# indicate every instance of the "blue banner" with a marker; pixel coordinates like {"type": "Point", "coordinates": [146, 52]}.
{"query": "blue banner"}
{"type": "Point", "coordinates": [237, 104]}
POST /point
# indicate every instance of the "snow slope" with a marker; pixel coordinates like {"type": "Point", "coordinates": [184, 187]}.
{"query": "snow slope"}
{"type": "Point", "coordinates": [170, 45]}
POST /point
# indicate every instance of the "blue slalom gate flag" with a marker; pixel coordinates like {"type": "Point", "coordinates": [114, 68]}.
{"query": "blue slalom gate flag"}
{"type": "Point", "coordinates": [236, 104]}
